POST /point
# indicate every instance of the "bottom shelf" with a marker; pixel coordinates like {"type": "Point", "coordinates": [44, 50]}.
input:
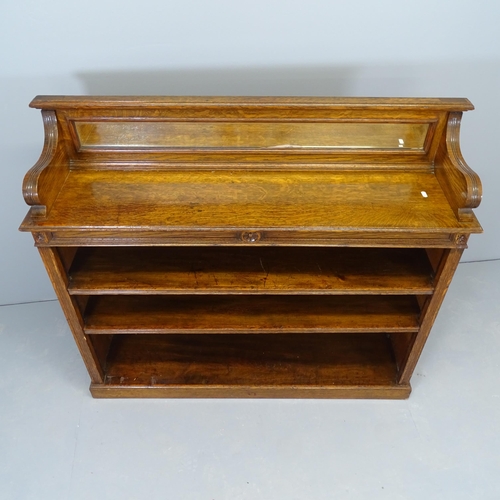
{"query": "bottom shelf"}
{"type": "Point", "coordinates": [246, 366]}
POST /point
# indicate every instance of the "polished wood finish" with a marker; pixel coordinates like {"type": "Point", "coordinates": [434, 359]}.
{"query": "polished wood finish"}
{"type": "Point", "coordinates": [244, 270]}
{"type": "Point", "coordinates": [156, 103]}
{"type": "Point", "coordinates": [55, 270]}
{"type": "Point", "coordinates": [318, 366]}
{"type": "Point", "coordinates": [445, 273]}
{"type": "Point", "coordinates": [259, 246]}
{"type": "Point", "coordinates": [460, 183]}
{"type": "Point", "coordinates": [270, 202]}
{"type": "Point", "coordinates": [250, 314]}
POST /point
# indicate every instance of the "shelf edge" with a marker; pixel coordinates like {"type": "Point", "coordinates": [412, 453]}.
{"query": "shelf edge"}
{"type": "Point", "coordinates": [248, 392]}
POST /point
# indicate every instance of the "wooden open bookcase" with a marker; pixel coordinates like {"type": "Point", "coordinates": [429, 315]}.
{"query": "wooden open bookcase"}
{"type": "Point", "coordinates": [251, 247]}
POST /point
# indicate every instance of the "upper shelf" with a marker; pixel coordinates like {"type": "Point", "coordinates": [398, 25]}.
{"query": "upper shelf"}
{"type": "Point", "coordinates": [244, 270]}
{"type": "Point", "coordinates": [200, 163]}
{"type": "Point", "coordinates": [250, 201]}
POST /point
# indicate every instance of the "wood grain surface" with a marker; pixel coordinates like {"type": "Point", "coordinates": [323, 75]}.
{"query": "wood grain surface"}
{"type": "Point", "coordinates": [250, 314]}
{"type": "Point", "coordinates": [243, 270]}
{"type": "Point", "coordinates": [251, 366]}
{"type": "Point", "coordinates": [157, 102]}
{"type": "Point", "coordinates": [250, 200]}
{"type": "Point", "coordinates": [251, 246]}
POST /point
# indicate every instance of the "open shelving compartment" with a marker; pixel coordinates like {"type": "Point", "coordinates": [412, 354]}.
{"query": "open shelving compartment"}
{"type": "Point", "coordinates": [251, 247]}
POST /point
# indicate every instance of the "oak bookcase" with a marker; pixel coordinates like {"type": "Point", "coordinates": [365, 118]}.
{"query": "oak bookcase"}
{"type": "Point", "coordinates": [251, 246]}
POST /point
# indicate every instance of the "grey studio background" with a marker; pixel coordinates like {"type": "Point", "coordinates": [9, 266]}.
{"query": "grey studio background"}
{"type": "Point", "coordinates": [56, 442]}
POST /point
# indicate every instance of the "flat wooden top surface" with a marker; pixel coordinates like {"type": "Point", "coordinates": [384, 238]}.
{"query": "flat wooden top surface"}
{"type": "Point", "coordinates": [81, 102]}
{"type": "Point", "coordinates": [250, 200]}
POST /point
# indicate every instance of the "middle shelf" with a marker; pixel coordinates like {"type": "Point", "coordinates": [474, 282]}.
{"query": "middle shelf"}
{"type": "Point", "coordinates": [108, 314]}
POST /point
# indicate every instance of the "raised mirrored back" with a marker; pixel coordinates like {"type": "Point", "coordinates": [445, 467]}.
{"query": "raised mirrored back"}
{"type": "Point", "coordinates": [253, 135]}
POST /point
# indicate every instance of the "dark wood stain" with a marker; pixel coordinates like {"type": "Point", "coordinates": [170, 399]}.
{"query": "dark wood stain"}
{"type": "Point", "coordinates": [232, 247]}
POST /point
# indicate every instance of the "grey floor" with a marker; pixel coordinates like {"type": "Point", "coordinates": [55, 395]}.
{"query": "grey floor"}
{"type": "Point", "coordinates": [56, 442]}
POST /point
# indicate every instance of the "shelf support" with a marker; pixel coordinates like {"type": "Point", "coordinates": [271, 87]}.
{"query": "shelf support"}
{"type": "Point", "coordinates": [57, 275]}
{"type": "Point", "coordinates": [445, 272]}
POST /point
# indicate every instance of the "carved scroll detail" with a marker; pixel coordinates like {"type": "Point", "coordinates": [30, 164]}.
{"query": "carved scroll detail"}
{"type": "Point", "coordinates": [31, 180]}
{"type": "Point", "coordinates": [41, 238]}
{"type": "Point", "coordinates": [473, 194]}
{"type": "Point", "coordinates": [460, 240]}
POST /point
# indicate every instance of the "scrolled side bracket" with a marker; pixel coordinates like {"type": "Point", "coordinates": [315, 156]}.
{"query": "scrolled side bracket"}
{"type": "Point", "coordinates": [32, 180]}
{"type": "Point", "coordinates": [473, 194]}
{"type": "Point", "coordinates": [460, 183]}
